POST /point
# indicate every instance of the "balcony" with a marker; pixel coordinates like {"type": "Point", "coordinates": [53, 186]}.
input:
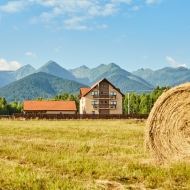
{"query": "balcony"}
{"type": "Point", "coordinates": [104, 96]}
{"type": "Point", "coordinates": [104, 106]}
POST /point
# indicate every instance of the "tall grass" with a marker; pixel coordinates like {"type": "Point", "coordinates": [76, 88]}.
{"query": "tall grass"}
{"type": "Point", "coordinates": [82, 154]}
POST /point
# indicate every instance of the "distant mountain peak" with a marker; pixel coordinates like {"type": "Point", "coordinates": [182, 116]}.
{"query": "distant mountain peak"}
{"type": "Point", "coordinates": [26, 67]}
{"type": "Point", "coordinates": [53, 68]}
{"type": "Point", "coordinates": [84, 67]}
{"type": "Point", "coordinates": [113, 65]}
{"type": "Point", "coordinates": [50, 62]}
{"type": "Point", "coordinates": [24, 71]}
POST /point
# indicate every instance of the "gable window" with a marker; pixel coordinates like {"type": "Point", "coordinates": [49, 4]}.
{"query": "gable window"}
{"type": "Point", "coordinates": [113, 93]}
{"type": "Point", "coordinates": [104, 85]}
{"type": "Point", "coordinates": [94, 93]}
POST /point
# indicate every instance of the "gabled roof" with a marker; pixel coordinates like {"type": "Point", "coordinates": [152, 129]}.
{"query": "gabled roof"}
{"type": "Point", "coordinates": [85, 92]}
{"type": "Point", "coordinates": [47, 105]}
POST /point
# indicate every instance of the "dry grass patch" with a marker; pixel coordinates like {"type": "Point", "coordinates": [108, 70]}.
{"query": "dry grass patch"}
{"type": "Point", "coordinates": [81, 154]}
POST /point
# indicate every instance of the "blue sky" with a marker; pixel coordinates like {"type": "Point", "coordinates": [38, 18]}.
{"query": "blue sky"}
{"type": "Point", "coordinates": [133, 34]}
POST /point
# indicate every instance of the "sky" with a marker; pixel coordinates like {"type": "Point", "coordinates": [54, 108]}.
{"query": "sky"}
{"type": "Point", "coordinates": [133, 34]}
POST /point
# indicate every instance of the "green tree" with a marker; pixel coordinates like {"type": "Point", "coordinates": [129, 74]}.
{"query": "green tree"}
{"type": "Point", "coordinates": [145, 106]}
{"type": "Point", "coordinates": [3, 106]}
{"type": "Point", "coordinates": [134, 103]}
{"type": "Point", "coordinates": [15, 107]}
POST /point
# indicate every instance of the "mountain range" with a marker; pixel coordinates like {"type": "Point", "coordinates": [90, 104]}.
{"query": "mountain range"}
{"type": "Point", "coordinates": [39, 85]}
{"type": "Point", "coordinates": [167, 76]}
{"type": "Point", "coordinates": [52, 79]}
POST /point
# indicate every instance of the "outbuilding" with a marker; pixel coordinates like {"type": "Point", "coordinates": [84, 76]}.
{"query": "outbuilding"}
{"type": "Point", "coordinates": [50, 107]}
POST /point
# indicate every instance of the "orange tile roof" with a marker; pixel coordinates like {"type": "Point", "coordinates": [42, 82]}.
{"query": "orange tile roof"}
{"type": "Point", "coordinates": [47, 105]}
{"type": "Point", "coordinates": [84, 91]}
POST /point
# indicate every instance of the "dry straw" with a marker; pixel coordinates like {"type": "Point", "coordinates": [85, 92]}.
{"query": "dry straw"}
{"type": "Point", "coordinates": [168, 126]}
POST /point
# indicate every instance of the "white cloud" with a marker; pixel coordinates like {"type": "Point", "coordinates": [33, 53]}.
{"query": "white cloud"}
{"type": "Point", "coordinates": [103, 26]}
{"type": "Point", "coordinates": [75, 23]}
{"type": "Point", "coordinates": [57, 49]}
{"type": "Point", "coordinates": [175, 63]}
{"type": "Point", "coordinates": [135, 8]}
{"type": "Point", "coordinates": [121, 1]}
{"type": "Point", "coordinates": [145, 56]}
{"type": "Point", "coordinates": [65, 11]}
{"type": "Point", "coordinates": [14, 6]}
{"type": "Point", "coordinates": [30, 54]}
{"type": "Point", "coordinates": [120, 38]}
{"type": "Point", "coordinates": [153, 1]}
{"type": "Point", "coordinates": [6, 65]}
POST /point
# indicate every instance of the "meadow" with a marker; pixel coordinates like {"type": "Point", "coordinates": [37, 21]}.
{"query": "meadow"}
{"type": "Point", "coordinates": [82, 154]}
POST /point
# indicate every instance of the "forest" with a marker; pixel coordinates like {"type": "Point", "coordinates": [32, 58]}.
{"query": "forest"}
{"type": "Point", "coordinates": [132, 102]}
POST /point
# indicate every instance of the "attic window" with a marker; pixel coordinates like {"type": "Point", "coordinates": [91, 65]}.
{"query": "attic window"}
{"type": "Point", "coordinates": [94, 93]}
{"type": "Point", "coordinates": [103, 85]}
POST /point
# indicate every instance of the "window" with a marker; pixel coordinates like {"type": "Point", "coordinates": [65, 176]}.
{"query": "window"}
{"type": "Point", "coordinates": [94, 93]}
{"type": "Point", "coordinates": [104, 85]}
{"type": "Point", "coordinates": [93, 112]}
{"type": "Point", "coordinates": [106, 102]}
{"type": "Point", "coordinates": [94, 102]}
{"type": "Point", "coordinates": [113, 103]}
{"type": "Point", "coordinates": [113, 93]}
{"type": "Point", "coordinates": [105, 92]}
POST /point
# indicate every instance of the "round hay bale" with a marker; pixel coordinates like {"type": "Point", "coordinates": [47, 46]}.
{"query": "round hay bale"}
{"type": "Point", "coordinates": [168, 126]}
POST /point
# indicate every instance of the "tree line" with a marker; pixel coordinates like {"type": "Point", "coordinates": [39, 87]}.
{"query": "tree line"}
{"type": "Point", "coordinates": [132, 102]}
{"type": "Point", "coordinates": [141, 103]}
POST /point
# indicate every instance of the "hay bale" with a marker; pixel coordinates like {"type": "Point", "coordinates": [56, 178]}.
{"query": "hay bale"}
{"type": "Point", "coordinates": [168, 126]}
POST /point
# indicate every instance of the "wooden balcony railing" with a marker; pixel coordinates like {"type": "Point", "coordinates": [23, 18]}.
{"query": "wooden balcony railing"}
{"type": "Point", "coordinates": [104, 106]}
{"type": "Point", "coordinates": [104, 96]}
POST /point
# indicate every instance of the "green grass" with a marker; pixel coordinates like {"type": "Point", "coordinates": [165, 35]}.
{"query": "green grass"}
{"type": "Point", "coordinates": [82, 154]}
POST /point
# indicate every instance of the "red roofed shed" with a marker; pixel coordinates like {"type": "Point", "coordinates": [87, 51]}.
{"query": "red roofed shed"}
{"type": "Point", "coordinates": [50, 107]}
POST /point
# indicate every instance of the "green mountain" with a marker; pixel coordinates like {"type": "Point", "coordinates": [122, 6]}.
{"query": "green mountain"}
{"type": "Point", "coordinates": [117, 76]}
{"type": "Point", "coordinates": [39, 85]}
{"type": "Point", "coordinates": [53, 68]}
{"type": "Point", "coordinates": [167, 76]}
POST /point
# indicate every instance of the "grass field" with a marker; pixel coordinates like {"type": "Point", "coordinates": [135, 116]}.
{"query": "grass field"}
{"type": "Point", "coordinates": [82, 154]}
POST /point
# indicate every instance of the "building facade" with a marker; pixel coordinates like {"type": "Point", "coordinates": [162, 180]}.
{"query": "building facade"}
{"type": "Point", "coordinates": [102, 98]}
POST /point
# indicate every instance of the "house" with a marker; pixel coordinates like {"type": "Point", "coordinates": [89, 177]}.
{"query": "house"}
{"type": "Point", "coordinates": [50, 107]}
{"type": "Point", "coordinates": [102, 98]}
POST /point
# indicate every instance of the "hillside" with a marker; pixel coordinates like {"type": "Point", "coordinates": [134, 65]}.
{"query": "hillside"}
{"type": "Point", "coordinates": [39, 85]}
{"type": "Point", "coordinates": [167, 76]}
